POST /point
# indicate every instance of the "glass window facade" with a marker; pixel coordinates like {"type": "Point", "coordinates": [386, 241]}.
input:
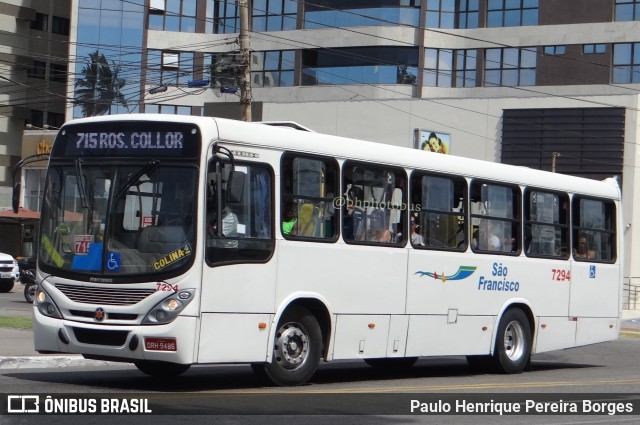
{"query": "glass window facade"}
{"type": "Point", "coordinates": [360, 65]}
{"type": "Point", "coordinates": [167, 109]}
{"type": "Point", "coordinates": [223, 17]}
{"type": "Point", "coordinates": [60, 25]}
{"type": "Point", "coordinates": [441, 13]}
{"type": "Point", "coordinates": [465, 68]}
{"type": "Point", "coordinates": [173, 15]}
{"type": "Point", "coordinates": [41, 22]}
{"type": "Point", "coordinates": [116, 30]}
{"type": "Point", "coordinates": [274, 15]}
{"type": "Point", "coordinates": [626, 63]}
{"type": "Point", "coordinates": [591, 49]}
{"type": "Point", "coordinates": [172, 68]}
{"type": "Point", "coordinates": [555, 50]}
{"type": "Point", "coordinates": [627, 10]}
{"type": "Point", "coordinates": [510, 67]}
{"type": "Point", "coordinates": [512, 13]}
{"type": "Point", "coordinates": [468, 13]}
{"type": "Point", "coordinates": [357, 13]}
{"type": "Point", "coordinates": [273, 68]}
{"type": "Point", "coordinates": [438, 67]}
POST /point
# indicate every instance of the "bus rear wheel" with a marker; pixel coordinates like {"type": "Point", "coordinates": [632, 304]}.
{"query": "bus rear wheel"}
{"type": "Point", "coordinates": [513, 342]}
{"type": "Point", "coordinates": [161, 369]}
{"type": "Point", "coordinates": [296, 351]}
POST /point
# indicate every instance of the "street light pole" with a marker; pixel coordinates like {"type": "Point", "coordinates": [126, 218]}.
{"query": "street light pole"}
{"type": "Point", "coordinates": [245, 57]}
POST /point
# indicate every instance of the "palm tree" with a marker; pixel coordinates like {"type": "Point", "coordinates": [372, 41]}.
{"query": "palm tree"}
{"type": "Point", "coordinates": [100, 88]}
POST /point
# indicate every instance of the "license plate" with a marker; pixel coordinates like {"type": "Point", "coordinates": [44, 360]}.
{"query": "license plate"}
{"type": "Point", "coordinates": [160, 344]}
{"type": "Point", "coordinates": [6, 275]}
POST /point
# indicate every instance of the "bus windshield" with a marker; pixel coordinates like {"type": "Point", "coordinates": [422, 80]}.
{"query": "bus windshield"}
{"type": "Point", "coordinates": [119, 220]}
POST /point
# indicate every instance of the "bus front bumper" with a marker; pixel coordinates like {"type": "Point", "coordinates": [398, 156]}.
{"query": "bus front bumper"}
{"type": "Point", "coordinates": [172, 342]}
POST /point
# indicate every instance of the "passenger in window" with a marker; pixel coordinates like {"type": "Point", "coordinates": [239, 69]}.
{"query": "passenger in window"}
{"type": "Point", "coordinates": [583, 251]}
{"type": "Point", "coordinates": [416, 236]}
{"type": "Point", "coordinates": [494, 243]}
{"type": "Point", "coordinates": [229, 226]}
{"type": "Point", "coordinates": [378, 235]}
{"type": "Point", "coordinates": [289, 219]}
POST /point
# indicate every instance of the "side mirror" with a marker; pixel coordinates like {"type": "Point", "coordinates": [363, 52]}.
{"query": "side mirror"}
{"type": "Point", "coordinates": [235, 186]}
{"type": "Point", "coordinates": [15, 199]}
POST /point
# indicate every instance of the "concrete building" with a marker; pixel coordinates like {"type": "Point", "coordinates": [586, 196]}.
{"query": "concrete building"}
{"type": "Point", "coordinates": [34, 50]}
{"type": "Point", "coordinates": [526, 82]}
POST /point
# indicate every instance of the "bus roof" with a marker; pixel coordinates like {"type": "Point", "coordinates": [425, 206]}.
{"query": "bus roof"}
{"type": "Point", "coordinates": [270, 136]}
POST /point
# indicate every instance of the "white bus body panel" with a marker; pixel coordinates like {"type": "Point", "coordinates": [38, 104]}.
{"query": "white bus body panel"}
{"type": "Point", "coordinates": [354, 279]}
{"type": "Point", "coordinates": [554, 333]}
{"type": "Point", "coordinates": [361, 336]}
{"type": "Point", "coordinates": [239, 288]}
{"type": "Point", "coordinates": [232, 338]}
{"type": "Point", "coordinates": [439, 335]}
{"type": "Point", "coordinates": [594, 290]}
{"type": "Point", "coordinates": [435, 284]}
{"type": "Point", "coordinates": [591, 330]}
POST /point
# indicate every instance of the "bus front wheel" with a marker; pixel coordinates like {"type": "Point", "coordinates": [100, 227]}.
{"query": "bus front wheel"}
{"type": "Point", "coordinates": [296, 351]}
{"type": "Point", "coordinates": [161, 369]}
{"type": "Point", "coordinates": [513, 342]}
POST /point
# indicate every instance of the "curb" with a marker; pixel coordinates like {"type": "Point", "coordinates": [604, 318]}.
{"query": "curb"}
{"type": "Point", "coordinates": [35, 362]}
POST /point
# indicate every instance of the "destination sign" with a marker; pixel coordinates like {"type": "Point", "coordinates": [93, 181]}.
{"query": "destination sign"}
{"type": "Point", "coordinates": [145, 140]}
{"type": "Point", "coordinates": [128, 139]}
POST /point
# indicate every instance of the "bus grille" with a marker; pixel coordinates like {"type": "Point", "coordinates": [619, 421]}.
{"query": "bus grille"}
{"type": "Point", "coordinates": [104, 296]}
{"type": "Point", "coordinates": [100, 337]}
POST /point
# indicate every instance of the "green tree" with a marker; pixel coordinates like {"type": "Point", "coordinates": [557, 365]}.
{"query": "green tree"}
{"type": "Point", "coordinates": [100, 88]}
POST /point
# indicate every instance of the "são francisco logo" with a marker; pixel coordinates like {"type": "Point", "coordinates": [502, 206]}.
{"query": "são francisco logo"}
{"type": "Point", "coordinates": [462, 273]}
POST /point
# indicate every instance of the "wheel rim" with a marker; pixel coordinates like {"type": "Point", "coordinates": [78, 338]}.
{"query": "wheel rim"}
{"type": "Point", "coordinates": [292, 346]}
{"type": "Point", "coordinates": [514, 340]}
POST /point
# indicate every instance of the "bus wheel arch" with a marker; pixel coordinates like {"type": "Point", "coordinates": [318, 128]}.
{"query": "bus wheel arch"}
{"type": "Point", "coordinates": [298, 346]}
{"type": "Point", "coordinates": [514, 338]}
{"type": "Point", "coordinates": [516, 325]}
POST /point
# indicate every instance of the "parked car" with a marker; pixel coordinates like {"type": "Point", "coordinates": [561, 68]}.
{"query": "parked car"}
{"type": "Point", "coordinates": [9, 272]}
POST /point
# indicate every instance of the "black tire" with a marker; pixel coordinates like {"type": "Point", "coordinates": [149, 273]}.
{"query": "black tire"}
{"type": "Point", "coordinates": [392, 363]}
{"type": "Point", "coordinates": [29, 292]}
{"type": "Point", "coordinates": [513, 342]}
{"type": "Point", "coordinates": [161, 369]}
{"type": "Point", "coordinates": [6, 287]}
{"type": "Point", "coordinates": [296, 351]}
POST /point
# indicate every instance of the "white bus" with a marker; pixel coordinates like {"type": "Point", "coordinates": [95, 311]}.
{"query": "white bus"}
{"type": "Point", "coordinates": [169, 241]}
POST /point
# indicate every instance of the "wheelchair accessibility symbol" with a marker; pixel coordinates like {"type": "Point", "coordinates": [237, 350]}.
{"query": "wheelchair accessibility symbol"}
{"type": "Point", "coordinates": [113, 261]}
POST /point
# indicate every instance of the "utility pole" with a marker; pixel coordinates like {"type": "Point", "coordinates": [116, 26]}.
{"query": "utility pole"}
{"type": "Point", "coordinates": [554, 155]}
{"type": "Point", "coordinates": [245, 58]}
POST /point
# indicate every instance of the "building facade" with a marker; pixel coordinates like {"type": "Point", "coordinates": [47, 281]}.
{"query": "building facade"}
{"type": "Point", "coordinates": [34, 54]}
{"type": "Point", "coordinates": [543, 84]}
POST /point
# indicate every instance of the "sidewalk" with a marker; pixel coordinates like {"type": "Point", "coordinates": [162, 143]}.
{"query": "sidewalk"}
{"type": "Point", "coordinates": [17, 352]}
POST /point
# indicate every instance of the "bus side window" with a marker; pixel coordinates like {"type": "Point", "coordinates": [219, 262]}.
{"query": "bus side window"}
{"type": "Point", "coordinates": [246, 232]}
{"type": "Point", "coordinates": [308, 188]}
{"type": "Point", "coordinates": [594, 224]}
{"type": "Point", "coordinates": [440, 218]}
{"type": "Point", "coordinates": [495, 215]}
{"type": "Point", "coordinates": [546, 224]}
{"type": "Point", "coordinates": [374, 204]}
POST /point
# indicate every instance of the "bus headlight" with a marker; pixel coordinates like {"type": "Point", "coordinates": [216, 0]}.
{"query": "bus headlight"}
{"type": "Point", "coordinates": [168, 309]}
{"type": "Point", "coordinates": [45, 304]}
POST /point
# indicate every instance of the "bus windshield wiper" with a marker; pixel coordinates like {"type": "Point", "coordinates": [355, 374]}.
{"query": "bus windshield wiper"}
{"type": "Point", "coordinates": [80, 183]}
{"type": "Point", "coordinates": [148, 169]}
